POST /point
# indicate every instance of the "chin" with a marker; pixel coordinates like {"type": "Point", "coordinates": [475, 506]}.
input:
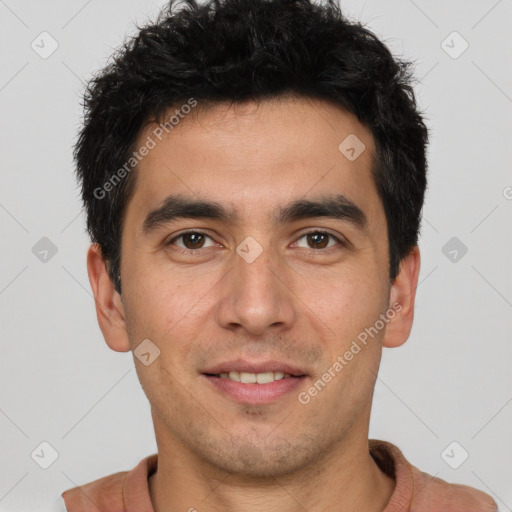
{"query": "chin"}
{"type": "Point", "coordinates": [259, 458]}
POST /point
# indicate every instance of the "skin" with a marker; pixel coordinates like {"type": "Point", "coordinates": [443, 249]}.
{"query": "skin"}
{"type": "Point", "coordinates": [295, 303]}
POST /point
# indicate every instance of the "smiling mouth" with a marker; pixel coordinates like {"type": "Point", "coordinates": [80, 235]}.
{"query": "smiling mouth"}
{"type": "Point", "coordinates": [254, 378]}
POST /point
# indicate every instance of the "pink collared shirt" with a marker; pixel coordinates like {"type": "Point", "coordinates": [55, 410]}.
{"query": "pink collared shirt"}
{"type": "Point", "coordinates": [415, 491]}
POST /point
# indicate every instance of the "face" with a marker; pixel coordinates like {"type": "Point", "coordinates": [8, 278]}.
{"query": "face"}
{"type": "Point", "coordinates": [260, 283]}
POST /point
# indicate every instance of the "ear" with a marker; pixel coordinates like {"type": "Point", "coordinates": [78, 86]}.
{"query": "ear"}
{"type": "Point", "coordinates": [109, 307]}
{"type": "Point", "coordinates": [402, 295]}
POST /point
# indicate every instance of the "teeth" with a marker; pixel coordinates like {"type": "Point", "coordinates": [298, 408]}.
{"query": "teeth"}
{"type": "Point", "coordinates": [264, 378]}
{"type": "Point", "coordinates": [253, 378]}
{"type": "Point", "coordinates": [248, 378]}
{"type": "Point", "coordinates": [234, 376]}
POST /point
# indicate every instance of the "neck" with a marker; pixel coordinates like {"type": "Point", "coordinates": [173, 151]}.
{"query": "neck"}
{"type": "Point", "coordinates": [347, 480]}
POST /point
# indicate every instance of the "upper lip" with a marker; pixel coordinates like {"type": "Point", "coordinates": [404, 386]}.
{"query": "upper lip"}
{"type": "Point", "coordinates": [240, 365]}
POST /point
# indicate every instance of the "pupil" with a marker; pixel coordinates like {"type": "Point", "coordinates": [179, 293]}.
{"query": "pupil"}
{"type": "Point", "coordinates": [189, 236]}
{"type": "Point", "coordinates": [313, 236]}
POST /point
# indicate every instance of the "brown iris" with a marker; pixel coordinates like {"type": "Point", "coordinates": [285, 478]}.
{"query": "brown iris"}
{"type": "Point", "coordinates": [314, 237]}
{"type": "Point", "coordinates": [195, 238]}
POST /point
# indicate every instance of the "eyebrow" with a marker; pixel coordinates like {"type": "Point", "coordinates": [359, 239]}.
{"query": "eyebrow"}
{"type": "Point", "coordinates": [175, 207]}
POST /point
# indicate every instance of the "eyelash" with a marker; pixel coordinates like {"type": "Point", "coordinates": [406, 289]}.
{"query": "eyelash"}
{"type": "Point", "coordinates": [194, 231]}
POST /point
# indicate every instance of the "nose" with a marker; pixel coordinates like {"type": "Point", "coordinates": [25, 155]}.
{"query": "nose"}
{"type": "Point", "coordinates": [257, 295]}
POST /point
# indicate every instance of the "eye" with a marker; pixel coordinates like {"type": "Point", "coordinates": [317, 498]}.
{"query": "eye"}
{"type": "Point", "coordinates": [191, 240]}
{"type": "Point", "coordinates": [194, 240]}
{"type": "Point", "coordinates": [320, 239]}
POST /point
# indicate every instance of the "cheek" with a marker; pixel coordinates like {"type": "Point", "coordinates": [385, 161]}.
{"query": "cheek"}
{"type": "Point", "coordinates": [171, 312]}
{"type": "Point", "coordinates": [158, 296]}
{"type": "Point", "coordinates": [348, 301]}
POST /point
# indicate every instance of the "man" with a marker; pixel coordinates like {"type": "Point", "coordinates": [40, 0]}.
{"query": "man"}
{"type": "Point", "coordinates": [253, 173]}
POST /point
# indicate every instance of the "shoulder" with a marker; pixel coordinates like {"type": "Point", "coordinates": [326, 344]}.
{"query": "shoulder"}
{"type": "Point", "coordinates": [114, 493]}
{"type": "Point", "coordinates": [433, 493]}
{"type": "Point", "coordinates": [417, 491]}
{"type": "Point", "coordinates": [103, 492]}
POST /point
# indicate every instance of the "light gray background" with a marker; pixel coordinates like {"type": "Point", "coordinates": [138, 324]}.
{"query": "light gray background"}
{"type": "Point", "coordinates": [61, 384]}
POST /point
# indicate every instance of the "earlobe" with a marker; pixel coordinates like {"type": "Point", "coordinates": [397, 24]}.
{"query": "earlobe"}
{"type": "Point", "coordinates": [109, 307]}
{"type": "Point", "coordinates": [402, 297]}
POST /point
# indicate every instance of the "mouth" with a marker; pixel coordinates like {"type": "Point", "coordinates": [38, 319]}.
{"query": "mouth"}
{"type": "Point", "coordinates": [249, 383]}
{"type": "Point", "coordinates": [254, 378]}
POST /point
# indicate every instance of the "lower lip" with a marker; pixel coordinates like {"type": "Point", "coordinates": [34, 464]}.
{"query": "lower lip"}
{"type": "Point", "coordinates": [256, 393]}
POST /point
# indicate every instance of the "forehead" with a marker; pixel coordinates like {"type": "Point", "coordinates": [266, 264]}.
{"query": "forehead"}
{"type": "Point", "coordinates": [254, 157]}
